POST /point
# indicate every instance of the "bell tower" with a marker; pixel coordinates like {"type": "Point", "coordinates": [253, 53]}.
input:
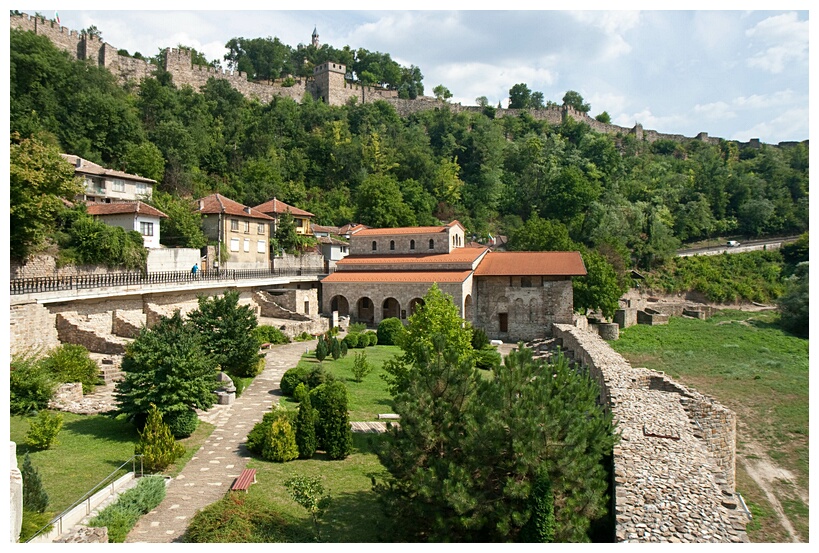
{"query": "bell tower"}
{"type": "Point", "coordinates": [315, 41]}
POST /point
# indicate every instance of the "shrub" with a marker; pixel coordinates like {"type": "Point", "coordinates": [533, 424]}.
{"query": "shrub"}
{"type": "Point", "coordinates": [71, 363]}
{"type": "Point", "coordinates": [182, 423]}
{"type": "Point", "coordinates": [351, 340]}
{"type": "Point", "coordinates": [372, 338]}
{"type": "Point", "coordinates": [266, 334]}
{"type": "Point", "coordinates": [389, 330]}
{"type": "Point", "coordinates": [321, 350]}
{"type": "Point", "coordinates": [43, 430]}
{"type": "Point", "coordinates": [257, 438]}
{"type": "Point", "coordinates": [344, 349]}
{"type": "Point", "coordinates": [306, 429]}
{"type": "Point", "coordinates": [242, 518]}
{"type": "Point", "coordinates": [304, 337]}
{"type": "Point", "coordinates": [280, 445]}
{"type": "Point", "coordinates": [361, 367]}
{"type": "Point", "coordinates": [335, 348]}
{"type": "Point", "coordinates": [357, 328]}
{"type": "Point", "coordinates": [479, 339]}
{"type": "Point", "coordinates": [35, 498]}
{"type": "Point", "coordinates": [122, 516]}
{"type": "Point", "coordinates": [156, 444]}
{"type": "Point", "coordinates": [301, 392]}
{"type": "Point", "coordinates": [34, 522]}
{"type": "Point", "coordinates": [311, 376]}
{"type": "Point", "coordinates": [487, 358]}
{"type": "Point", "coordinates": [31, 386]}
{"type": "Point", "coordinates": [333, 432]}
{"type": "Point", "coordinates": [308, 492]}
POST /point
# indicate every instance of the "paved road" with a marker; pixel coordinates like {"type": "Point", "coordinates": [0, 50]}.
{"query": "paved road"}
{"type": "Point", "coordinates": [750, 245]}
{"type": "Point", "coordinates": [210, 473]}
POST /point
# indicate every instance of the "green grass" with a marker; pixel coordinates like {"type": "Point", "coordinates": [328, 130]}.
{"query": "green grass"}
{"type": "Point", "coordinates": [750, 365]}
{"type": "Point", "coordinates": [367, 398]}
{"type": "Point", "coordinates": [90, 448]}
{"type": "Point", "coordinates": [355, 514]}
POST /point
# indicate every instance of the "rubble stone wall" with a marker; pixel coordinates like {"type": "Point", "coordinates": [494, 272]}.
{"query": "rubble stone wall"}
{"type": "Point", "coordinates": [674, 465]}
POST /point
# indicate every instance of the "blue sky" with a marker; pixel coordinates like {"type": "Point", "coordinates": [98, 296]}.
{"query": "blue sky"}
{"type": "Point", "coordinates": [732, 74]}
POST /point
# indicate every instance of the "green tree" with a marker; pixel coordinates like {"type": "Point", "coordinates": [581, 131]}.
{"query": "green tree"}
{"type": "Point", "coordinates": [144, 159]}
{"type": "Point", "coordinates": [361, 367]}
{"type": "Point", "coordinates": [793, 304]}
{"type": "Point", "coordinates": [575, 100]}
{"type": "Point", "coordinates": [333, 428]}
{"type": "Point", "coordinates": [227, 333]}
{"type": "Point", "coordinates": [42, 432]}
{"type": "Point", "coordinates": [167, 367]}
{"type": "Point", "coordinates": [39, 179]}
{"type": "Point", "coordinates": [538, 234]}
{"type": "Point", "coordinates": [308, 491]}
{"type": "Point", "coordinates": [156, 443]}
{"type": "Point", "coordinates": [280, 443]}
{"type": "Point", "coordinates": [604, 117]}
{"type": "Point", "coordinates": [381, 204]}
{"type": "Point", "coordinates": [442, 93]}
{"type": "Point", "coordinates": [306, 427]}
{"type": "Point", "coordinates": [287, 239]}
{"type": "Point", "coordinates": [600, 288]}
{"type": "Point", "coordinates": [35, 498]}
{"type": "Point", "coordinates": [183, 227]}
{"type": "Point", "coordinates": [321, 350]}
{"type": "Point", "coordinates": [519, 96]}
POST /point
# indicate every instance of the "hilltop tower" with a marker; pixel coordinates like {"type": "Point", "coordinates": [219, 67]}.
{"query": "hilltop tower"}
{"type": "Point", "coordinates": [315, 41]}
{"type": "Point", "coordinates": [330, 83]}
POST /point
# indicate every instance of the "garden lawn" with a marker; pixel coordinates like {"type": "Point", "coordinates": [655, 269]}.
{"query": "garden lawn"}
{"type": "Point", "coordinates": [369, 398]}
{"type": "Point", "coordinates": [354, 515]}
{"type": "Point", "coordinates": [89, 449]}
{"type": "Point", "coordinates": [750, 365]}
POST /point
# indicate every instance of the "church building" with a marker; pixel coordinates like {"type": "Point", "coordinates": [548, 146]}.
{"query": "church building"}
{"type": "Point", "coordinates": [511, 295]}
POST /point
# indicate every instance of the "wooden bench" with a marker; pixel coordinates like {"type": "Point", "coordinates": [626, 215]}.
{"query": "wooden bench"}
{"type": "Point", "coordinates": [266, 345]}
{"type": "Point", "coordinates": [243, 482]}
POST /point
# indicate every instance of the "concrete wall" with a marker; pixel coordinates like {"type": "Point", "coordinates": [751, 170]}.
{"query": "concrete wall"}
{"type": "Point", "coordinates": [442, 243]}
{"type": "Point", "coordinates": [33, 329]}
{"type": "Point", "coordinates": [307, 260]}
{"type": "Point", "coordinates": [674, 465]}
{"type": "Point", "coordinates": [173, 259]}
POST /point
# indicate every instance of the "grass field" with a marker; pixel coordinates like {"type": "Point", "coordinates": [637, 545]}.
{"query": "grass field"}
{"type": "Point", "coordinates": [746, 362]}
{"type": "Point", "coordinates": [367, 398]}
{"type": "Point", "coordinates": [90, 448]}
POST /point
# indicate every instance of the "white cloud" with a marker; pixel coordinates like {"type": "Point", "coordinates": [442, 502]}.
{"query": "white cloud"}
{"type": "Point", "coordinates": [784, 39]}
{"type": "Point", "coordinates": [468, 81]}
{"type": "Point", "coordinates": [761, 101]}
{"type": "Point", "coordinates": [613, 24]}
{"type": "Point", "coordinates": [784, 127]}
{"type": "Point", "coordinates": [714, 110]}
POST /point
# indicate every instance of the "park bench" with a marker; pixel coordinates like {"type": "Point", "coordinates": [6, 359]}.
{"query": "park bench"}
{"type": "Point", "coordinates": [266, 345]}
{"type": "Point", "coordinates": [244, 480]}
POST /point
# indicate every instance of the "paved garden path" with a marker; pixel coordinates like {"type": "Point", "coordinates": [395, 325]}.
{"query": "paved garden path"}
{"type": "Point", "coordinates": [210, 473]}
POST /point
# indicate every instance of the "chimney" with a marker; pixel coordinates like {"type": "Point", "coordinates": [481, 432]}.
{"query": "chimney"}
{"type": "Point", "coordinates": [78, 163]}
{"type": "Point", "coordinates": [247, 210]}
{"type": "Point", "coordinates": [201, 205]}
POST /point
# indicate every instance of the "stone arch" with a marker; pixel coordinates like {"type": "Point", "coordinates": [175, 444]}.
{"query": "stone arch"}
{"type": "Point", "coordinates": [390, 308]}
{"type": "Point", "coordinates": [365, 310]}
{"type": "Point", "coordinates": [339, 303]}
{"type": "Point", "coordinates": [414, 304]}
{"type": "Point", "coordinates": [533, 310]}
{"type": "Point", "coordinates": [520, 310]}
{"type": "Point", "coordinates": [468, 307]}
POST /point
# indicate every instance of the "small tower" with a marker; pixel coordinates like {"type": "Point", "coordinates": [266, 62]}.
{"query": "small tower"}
{"type": "Point", "coordinates": [315, 37]}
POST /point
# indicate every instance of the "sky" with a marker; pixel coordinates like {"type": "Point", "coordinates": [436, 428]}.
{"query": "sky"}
{"type": "Point", "coordinates": [732, 74]}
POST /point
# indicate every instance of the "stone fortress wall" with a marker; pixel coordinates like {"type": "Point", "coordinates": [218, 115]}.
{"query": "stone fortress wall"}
{"type": "Point", "coordinates": [674, 466]}
{"type": "Point", "coordinates": [328, 83]}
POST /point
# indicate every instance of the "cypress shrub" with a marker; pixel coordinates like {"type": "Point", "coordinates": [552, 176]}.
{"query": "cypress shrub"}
{"type": "Point", "coordinates": [479, 338]}
{"type": "Point", "coordinates": [321, 350]}
{"type": "Point", "coordinates": [35, 498]}
{"type": "Point", "coordinates": [280, 445]}
{"type": "Point", "coordinates": [335, 348]}
{"type": "Point", "coordinates": [156, 443]}
{"type": "Point", "coordinates": [306, 428]}
{"type": "Point", "coordinates": [333, 432]}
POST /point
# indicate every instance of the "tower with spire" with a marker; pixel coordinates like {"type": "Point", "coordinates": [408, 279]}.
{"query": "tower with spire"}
{"type": "Point", "coordinates": [315, 37]}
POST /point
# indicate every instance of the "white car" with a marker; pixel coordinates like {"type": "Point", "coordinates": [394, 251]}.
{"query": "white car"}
{"type": "Point", "coordinates": [732, 243]}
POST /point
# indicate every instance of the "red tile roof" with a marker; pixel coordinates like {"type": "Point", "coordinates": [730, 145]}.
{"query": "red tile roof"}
{"type": "Point", "coordinates": [216, 203]}
{"type": "Point", "coordinates": [118, 208]}
{"type": "Point", "coordinates": [531, 264]}
{"type": "Point", "coordinates": [351, 228]}
{"type": "Point", "coordinates": [458, 255]}
{"type": "Point", "coordinates": [397, 276]}
{"type": "Point", "coordinates": [88, 168]}
{"type": "Point", "coordinates": [278, 207]}
{"type": "Point", "coordinates": [407, 230]}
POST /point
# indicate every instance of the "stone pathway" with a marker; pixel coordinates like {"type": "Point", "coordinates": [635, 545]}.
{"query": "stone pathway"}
{"type": "Point", "coordinates": [210, 473]}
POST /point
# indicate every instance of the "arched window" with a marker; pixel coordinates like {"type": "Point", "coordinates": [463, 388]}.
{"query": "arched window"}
{"type": "Point", "coordinates": [392, 244]}
{"type": "Point", "coordinates": [431, 244]}
{"type": "Point", "coordinates": [375, 245]}
{"type": "Point", "coordinates": [412, 244]}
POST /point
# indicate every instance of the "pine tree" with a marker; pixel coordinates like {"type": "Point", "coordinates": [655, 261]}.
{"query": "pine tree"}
{"type": "Point", "coordinates": [35, 498]}
{"type": "Point", "coordinates": [335, 348]}
{"type": "Point", "coordinates": [321, 350]}
{"type": "Point", "coordinates": [156, 443]}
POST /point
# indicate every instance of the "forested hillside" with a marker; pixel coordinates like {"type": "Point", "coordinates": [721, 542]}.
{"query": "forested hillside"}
{"type": "Point", "coordinates": [631, 201]}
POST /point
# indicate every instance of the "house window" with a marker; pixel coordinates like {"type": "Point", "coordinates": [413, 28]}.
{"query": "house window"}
{"type": "Point", "coordinates": [247, 227]}
{"type": "Point", "coordinates": [375, 245]}
{"type": "Point", "coordinates": [234, 224]}
{"type": "Point", "coordinates": [234, 244]}
{"type": "Point", "coordinates": [503, 321]}
{"type": "Point", "coordinates": [247, 244]}
{"type": "Point", "coordinates": [392, 244]}
{"type": "Point", "coordinates": [100, 185]}
{"type": "Point", "coordinates": [431, 244]}
{"type": "Point", "coordinates": [412, 244]}
{"type": "Point", "coordinates": [261, 246]}
{"type": "Point", "coordinates": [299, 223]}
{"type": "Point", "coordinates": [525, 282]}
{"type": "Point", "coordinates": [146, 229]}
{"type": "Point", "coordinates": [118, 185]}
{"type": "Point", "coordinates": [260, 228]}
{"type": "Point", "coordinates": [141, 188]}
{"type": "Point", "coordinates": [343, 249]}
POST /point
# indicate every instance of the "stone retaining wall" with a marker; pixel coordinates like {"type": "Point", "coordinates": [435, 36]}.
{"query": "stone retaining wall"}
{"type": "Point", "coordinates": [674, 464]}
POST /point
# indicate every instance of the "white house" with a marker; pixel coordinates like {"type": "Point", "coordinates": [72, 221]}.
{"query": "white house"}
{"type": "Point", "coordinates": [107, 185]}
{"type": "Point", "coordinates": [333, 249]}
{"type": "Point", "coordinates": [136, 216]}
